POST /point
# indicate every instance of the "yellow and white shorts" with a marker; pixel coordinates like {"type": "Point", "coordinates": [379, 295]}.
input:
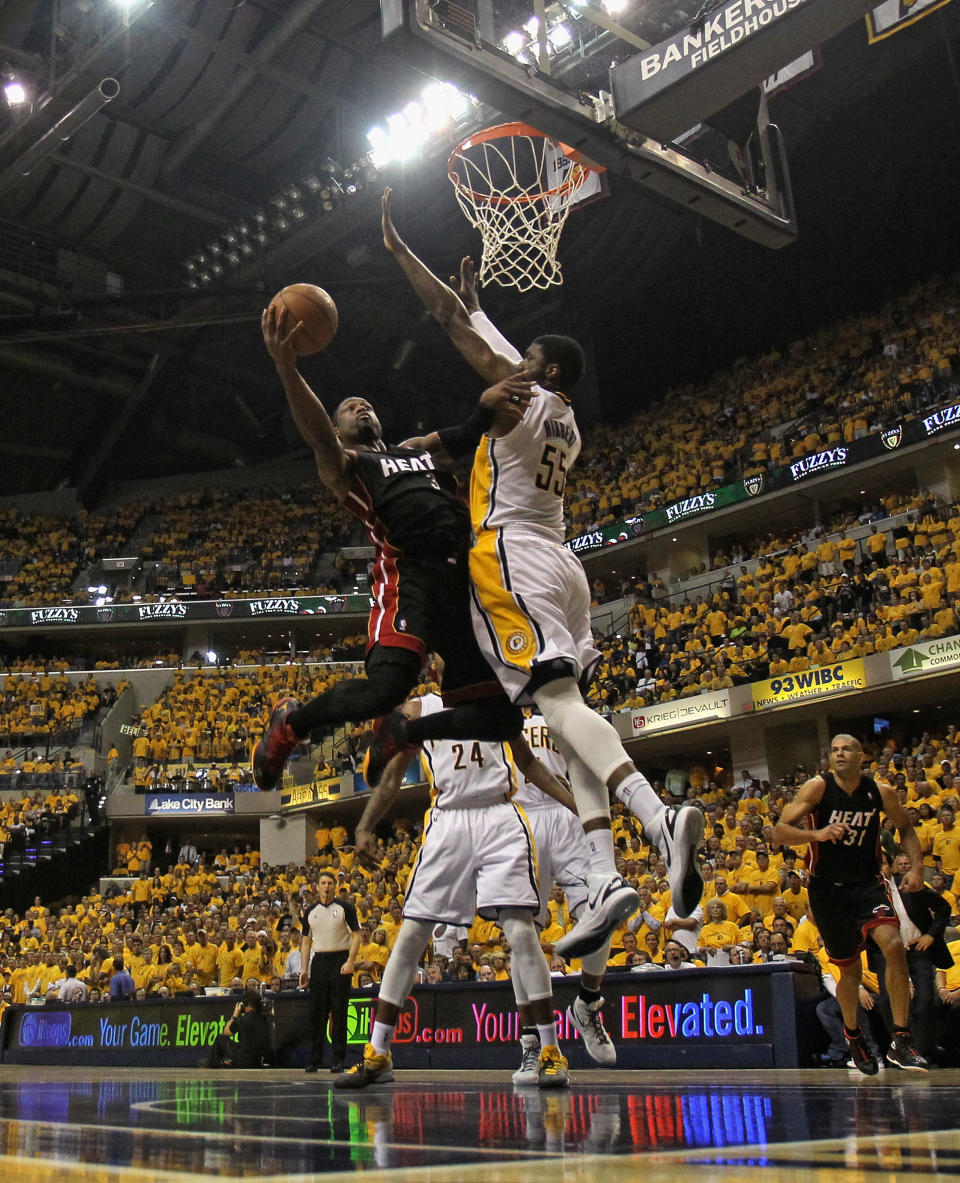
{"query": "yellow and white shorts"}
{"type": "Point", "coordinates": [531, 605]}
{"type": "Point", "coordinates": [563, 856]}
{"type": "Point", "coordinates": [473, 862]}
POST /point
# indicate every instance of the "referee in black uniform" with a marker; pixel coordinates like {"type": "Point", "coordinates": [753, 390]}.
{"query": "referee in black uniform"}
{"type": "Point", "coordinates": [331, 933]}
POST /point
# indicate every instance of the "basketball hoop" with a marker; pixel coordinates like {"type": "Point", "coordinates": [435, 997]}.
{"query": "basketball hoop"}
{"type": "Point", "coordinates": [517, 186]}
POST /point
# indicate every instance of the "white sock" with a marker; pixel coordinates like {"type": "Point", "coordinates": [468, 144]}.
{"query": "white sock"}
{"type": "Point", "coordinates": [596, 963]}
{"type": "Point", "coordinates": [602, 856]}
{"type": "Point", "coordinates": [381, 1037]}
{"type": "Point", "coordinates": [548, 1034]}
{"type": "Point", "coordinates": [636, 792]}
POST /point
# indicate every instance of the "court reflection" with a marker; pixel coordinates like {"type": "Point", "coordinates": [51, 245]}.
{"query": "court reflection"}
{"type": "Point", "coordinates": [277, 1124]}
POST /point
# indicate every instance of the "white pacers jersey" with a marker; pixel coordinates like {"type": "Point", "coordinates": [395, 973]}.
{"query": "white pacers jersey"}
{"type": "Point", "coordinates": [563, 856]}
{"type": "Point", "coordinates": [537, 735]}
{"type": "Point", "coordinates": [467, 773]}
{"type": "Point", "coordinates": [530, 599]}
{"type": "Point", "coordinates": [519, 480]}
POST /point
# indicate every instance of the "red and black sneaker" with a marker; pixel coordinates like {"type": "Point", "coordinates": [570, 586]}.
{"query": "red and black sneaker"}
{"type": "Point", "coordinates": [902, 1054]}
{"type": "Point", "coordinates": [274, 749]}
{"type": "Point", "coordinates": [861, 1055]}
{"type": "Point", "coordinates": [389, 740]}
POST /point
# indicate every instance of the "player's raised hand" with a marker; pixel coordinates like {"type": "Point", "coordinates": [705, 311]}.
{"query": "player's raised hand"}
{"type": "Point", "coordinates": [510, 397]}
{"type": "Point", "coordinates": [913, 880]}
{"type": "Point", "coordinates": [391, 239]}
{"type": "Point", "coordinates": [278, 335]}
{"type": "Point", "coordinates": [366, 847]}
{"type": "Point", "coordinates": [465, 285]}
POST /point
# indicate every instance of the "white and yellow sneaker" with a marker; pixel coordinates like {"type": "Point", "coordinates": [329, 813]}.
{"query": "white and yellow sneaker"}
{"type": "Point", "coordinates": [374, 1068]}
{"type": "Point", "coordinates": [553, 1069]}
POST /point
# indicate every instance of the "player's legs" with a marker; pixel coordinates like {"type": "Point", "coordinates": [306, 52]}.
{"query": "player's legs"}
{"type": "Point", "coordinates": [600, 763]}
{"type": "Point", "coordinates": [391, 673]}
{"type": "Point", "coordinates": [897, 979]}
{"type": "Point", "coordinates": [848, 994]}
{"type": "Point", "coordinates": [901, 1053]}
{"type": "Point", "coordinates": [478, 707]}
{"type": "Point", "coordinates": [534, 995]}
{"type": "Point", "coordinates": [398, 978]}
{"type": "Point", "coordinates": [848, 991]}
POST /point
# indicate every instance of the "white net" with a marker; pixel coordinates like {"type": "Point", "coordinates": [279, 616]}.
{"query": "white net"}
{"type": "Point", "coordinates": [516, 187]}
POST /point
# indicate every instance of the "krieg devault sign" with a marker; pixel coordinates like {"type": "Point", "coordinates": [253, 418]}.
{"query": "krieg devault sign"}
{"type": "Point", "coordinates": [681, 712]}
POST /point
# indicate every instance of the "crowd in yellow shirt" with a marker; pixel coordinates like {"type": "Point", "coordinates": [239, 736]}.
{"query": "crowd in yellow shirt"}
{"type": "Point", "coordinates": [44, 705]}
{"type": "Point", "coordinates": [831, 387]}
{"type": "Point", "coordinates": [217, 714]}
{"type": "Point", "coordinates": [203, 542]}
{"type": "Point", "coordinates": [794, 611]}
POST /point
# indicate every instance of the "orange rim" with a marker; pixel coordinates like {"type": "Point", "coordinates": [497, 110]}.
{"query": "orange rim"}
{"type": "Point", "coordinates": [503, 131]}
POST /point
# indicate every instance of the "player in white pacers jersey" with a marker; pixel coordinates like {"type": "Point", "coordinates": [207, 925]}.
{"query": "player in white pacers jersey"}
{"type": "Point", "coordinates": [477, 857]}
{"type": "Point", "coordinates": [531, 602]}
{"type": "Point", "coordinates": [563, 857]}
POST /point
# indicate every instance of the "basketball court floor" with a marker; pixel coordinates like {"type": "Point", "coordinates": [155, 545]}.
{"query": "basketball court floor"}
{"type": "Point", "coordinates": [121, 1125]}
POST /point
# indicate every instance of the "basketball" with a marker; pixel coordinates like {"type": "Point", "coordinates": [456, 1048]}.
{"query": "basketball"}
{"type": "Point", "coordinates": [315, 308]}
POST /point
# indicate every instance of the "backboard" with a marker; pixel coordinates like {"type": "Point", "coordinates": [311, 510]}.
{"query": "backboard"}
{"type": "Point", "coordinates": [667, 92]}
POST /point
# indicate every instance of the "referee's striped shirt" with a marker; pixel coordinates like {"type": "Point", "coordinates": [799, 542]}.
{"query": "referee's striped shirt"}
{"type": "Point", "coordinates": [329, 926]}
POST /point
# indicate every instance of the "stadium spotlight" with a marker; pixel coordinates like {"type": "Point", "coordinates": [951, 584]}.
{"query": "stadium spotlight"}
{"type": "Point", "coordinates": [211, 657]}
{"type": "Point", "coordinates": [15, 93]}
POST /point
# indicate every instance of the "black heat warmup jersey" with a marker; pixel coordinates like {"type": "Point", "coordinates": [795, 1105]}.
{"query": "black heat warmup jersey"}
{"type": "Point", "coordinates": [408, 505]}
{"type": "Point", "coordinates": [857, 855]}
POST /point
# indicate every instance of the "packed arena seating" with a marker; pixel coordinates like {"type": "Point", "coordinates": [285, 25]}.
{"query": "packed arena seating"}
{"type": "Point", "coordinates": [217, 918]}
{"type": "Point", "coordinates": [836, 385]}
{"type": "Point", "coordinates": [215, 542]}
{"type": "Point", "coordinates": [40, 811]}
{"type": "Point", "coordinates": [808, 603]}
{"type": "Point", "coordinates": [833, 386]}
{"type": "Point", "coordinates": [216, 714]}
{"type": "Point", "coordinates": [40, 555]}
{"type": "Point", "coordinates": [208, 542]}
{"type": "Point", "coordinates": [48, 708]}
{"type": "Point", "coordinates": [883, 590]}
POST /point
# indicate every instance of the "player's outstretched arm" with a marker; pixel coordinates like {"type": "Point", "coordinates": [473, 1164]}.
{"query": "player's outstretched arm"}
{"type": "Point", "coordinates": [538, 774]}
{"type": "Point", "coordinates": [444, 305]}
{"type": "Point", "coordinates": [313, 422]}
{"type": "Point", "coordinates": [913, 880]}
{"type": "Point", "coordinates": [384, 796]}
{"type": "Point", "coordinates": [501, 406]}
{"type": "Point", "coordinates": [787, 833]}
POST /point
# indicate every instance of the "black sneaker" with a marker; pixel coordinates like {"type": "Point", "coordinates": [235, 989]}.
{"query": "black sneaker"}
{"type": "Point", "coordinates": [274, 749]}
{"type": "Point", "coordinates": [862, 1057]}
{"type": "Point", "coordinates": [389, 739]}
{"type": "Point", "coordinates": [901, 1054]}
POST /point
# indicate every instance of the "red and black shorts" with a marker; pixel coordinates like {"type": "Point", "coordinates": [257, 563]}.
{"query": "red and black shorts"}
{"type": "Point", "coordinates": [846, 913]}
{"type": "Point", "coordinates": [424, 605]}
